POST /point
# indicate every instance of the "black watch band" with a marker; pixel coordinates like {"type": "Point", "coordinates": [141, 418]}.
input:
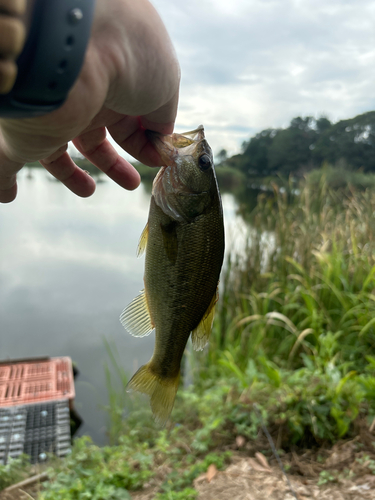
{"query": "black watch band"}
{"type": "Point", "coordinates": [51, 59]}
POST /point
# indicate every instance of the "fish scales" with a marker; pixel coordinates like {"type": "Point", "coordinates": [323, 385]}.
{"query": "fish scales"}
{"type": "Point", "coordinates": [192, 279]}
{"type": "Point", "coordinates": [184, 244]}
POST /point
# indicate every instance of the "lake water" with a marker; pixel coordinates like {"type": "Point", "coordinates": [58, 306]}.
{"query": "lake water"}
{"type": "Point", "coordinates": [67, 269]}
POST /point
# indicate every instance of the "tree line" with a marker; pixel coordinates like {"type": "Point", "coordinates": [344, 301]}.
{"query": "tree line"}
{"type": "Point", "coordinates": [306, 144]}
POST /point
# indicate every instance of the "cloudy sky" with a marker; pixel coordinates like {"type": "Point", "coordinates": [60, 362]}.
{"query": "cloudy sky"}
{"type": "Point", "coordinates": [252, 64]}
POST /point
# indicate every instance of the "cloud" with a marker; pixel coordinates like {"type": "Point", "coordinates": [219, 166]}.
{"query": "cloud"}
{"type": "Point", "coordinates": [248, 65]}
{"type": "Point", "coordinates": [253, 64]}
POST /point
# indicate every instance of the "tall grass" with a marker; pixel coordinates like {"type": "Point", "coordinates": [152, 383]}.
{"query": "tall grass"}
{"type": "Point", "coordinates": [317, 279]}
{"type": "Point", "coordinates": [295, 328]}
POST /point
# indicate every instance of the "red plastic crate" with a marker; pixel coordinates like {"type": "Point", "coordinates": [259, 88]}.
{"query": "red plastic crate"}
{"type": "Point", "coordinates": [4, 372]}
{"type": "Point", "coordinates": [30, 381]}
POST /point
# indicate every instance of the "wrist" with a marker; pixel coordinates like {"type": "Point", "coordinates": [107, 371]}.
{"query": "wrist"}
{"type": "Point", "coordinates": [52, 56]}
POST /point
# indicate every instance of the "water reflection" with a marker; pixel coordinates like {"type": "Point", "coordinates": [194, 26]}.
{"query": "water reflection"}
{"type": "Point", "coordinates": [67, 269]}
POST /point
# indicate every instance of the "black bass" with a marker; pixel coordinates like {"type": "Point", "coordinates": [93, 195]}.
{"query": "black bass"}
{"type": "Point", "coordinates": [184, 245]}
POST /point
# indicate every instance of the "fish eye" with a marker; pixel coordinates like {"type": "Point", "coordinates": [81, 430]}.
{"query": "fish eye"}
{"type": "Point", "coordinates": [204, 162]}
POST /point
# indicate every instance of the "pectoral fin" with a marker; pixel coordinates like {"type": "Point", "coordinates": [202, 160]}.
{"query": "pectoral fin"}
{"type": "Point", "coordinates": [136, 317]}
{"type": "Point", "coordinates": [201, 333]}
{"type": "Point", "coordinates": [142, 244]}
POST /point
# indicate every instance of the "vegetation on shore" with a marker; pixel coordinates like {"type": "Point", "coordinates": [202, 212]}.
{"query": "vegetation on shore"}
{"type": "Point", "coordinates": [305, 145]}
{"type": "Point", "coordinates": [292, 348]}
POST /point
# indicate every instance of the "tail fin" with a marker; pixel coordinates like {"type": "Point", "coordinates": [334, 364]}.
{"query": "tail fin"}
{"type": "Point", "coordinates": [162, 391]}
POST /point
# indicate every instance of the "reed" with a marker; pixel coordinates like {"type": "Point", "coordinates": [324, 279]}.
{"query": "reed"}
{"type": "Point", "coordinates": [308, 270]}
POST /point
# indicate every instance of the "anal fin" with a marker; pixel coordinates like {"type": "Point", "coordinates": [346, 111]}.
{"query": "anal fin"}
{"type": "Point", "coordinates": [201, 333]}
{"type": "Point", "coordinates": [136, 317]}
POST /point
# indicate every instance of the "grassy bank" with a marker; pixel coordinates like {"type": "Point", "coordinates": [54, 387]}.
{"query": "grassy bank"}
{"type": "Point", "coordinates": [298, 311]}
{"type": "Point", "coordinates": [292, 348]}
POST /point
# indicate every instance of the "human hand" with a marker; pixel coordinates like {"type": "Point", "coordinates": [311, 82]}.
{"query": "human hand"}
{"type": "Point", "coordinates": [129, 83]}
{"type": "Point", "coordinates": [12, 37]}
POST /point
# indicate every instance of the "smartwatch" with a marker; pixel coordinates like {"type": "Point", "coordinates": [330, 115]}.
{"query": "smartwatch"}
{"type": "Point", "coordinates": [51, 59]}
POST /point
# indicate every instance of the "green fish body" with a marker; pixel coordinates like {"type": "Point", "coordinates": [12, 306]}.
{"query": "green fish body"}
{"type": "Point", "coordinates": [184, 245]}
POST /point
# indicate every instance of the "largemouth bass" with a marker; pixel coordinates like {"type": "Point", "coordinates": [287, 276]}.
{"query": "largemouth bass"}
{"type": "Point", "coordinates": [184, 245]}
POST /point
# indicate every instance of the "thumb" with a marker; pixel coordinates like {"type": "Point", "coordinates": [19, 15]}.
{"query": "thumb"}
{"type": "Point", "coordinates": [162, 120]}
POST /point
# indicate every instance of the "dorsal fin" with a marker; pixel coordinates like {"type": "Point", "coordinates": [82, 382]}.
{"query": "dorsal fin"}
{"type": "Point", "coordinates": [201, 333]}
{"type": "Point", "coordinates": [142, 244]}
{"type": "Point", "coordinates": [135, 318]}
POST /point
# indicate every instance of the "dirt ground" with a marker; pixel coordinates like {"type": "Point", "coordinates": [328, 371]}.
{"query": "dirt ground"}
{"type": "Point", "coordinates": [344, 472]}
{"type": "Point", "coordinates": [241, 481]}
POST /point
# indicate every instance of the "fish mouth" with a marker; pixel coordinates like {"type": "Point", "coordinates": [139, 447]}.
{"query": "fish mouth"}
{"type": "Point", "coordinates": [187, 138]}
{"type": "Point", "coordinates": [171, 146]}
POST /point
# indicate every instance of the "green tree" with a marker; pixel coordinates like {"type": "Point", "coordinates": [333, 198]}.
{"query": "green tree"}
{"type": "Point", "coordinates": [255, 154]}
{"type": "Point", "coordinates": [291, 148]}
{"type": "Point", "coordinates": [352, 140]}
{"type": "Point", "coordinates": [308, 143]}
{"type": "Point", "coordinates": [222, 156]}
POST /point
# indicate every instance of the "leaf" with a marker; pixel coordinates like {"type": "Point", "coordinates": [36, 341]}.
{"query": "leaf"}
{"type": "Point", "coordinates": [300, 338]}
{"type": "Point", "coordinates": [367, 327]}
{"type": "Point", "coordinates": [256, 466]}
{"type": "Point", "coordinates": [231, 365]}
{"type": "Point", "coordinates": [368, 279]}
{"type": "Point", "coordinates": [343, 381]}
{"type": "Point", "coordinates": [296, 265]}
{"type": "Point", "coordinates": [211, 472]}
{"type": "Point", "coordinates": [249, 319]}
{"type": "Point", "coordinates": [240, 441]}
{"type": "Point", "coordinates": [121, 494]}
{"type": "Point", "coordinates": [271, 371]}
{"type": "Point", "coordinates": [276, 315]}
{"type": "Point", "coordinates": [262, 460]}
